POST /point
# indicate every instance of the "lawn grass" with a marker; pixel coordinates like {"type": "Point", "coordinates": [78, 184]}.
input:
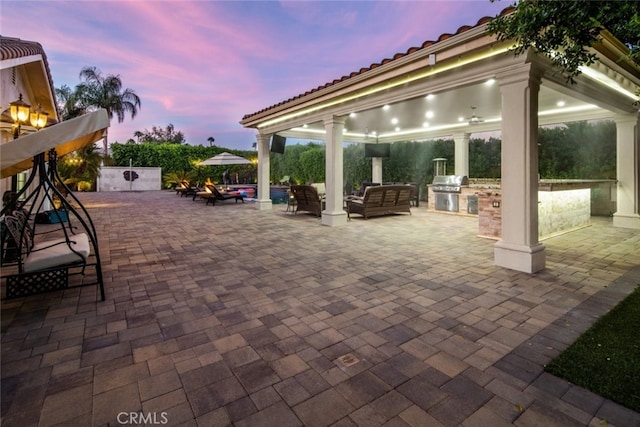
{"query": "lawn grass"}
{"type": "Point", "coordinates": [606, 358]}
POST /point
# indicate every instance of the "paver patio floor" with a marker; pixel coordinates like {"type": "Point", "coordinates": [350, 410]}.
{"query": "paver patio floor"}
{"type": "Point", "coordinates": [226, 315]}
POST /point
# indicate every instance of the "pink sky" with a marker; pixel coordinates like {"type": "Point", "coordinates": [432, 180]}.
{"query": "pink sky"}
{"type": "Point", "coordinates": [203, 65]}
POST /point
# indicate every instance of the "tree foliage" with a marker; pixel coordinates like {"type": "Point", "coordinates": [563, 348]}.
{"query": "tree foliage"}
{"type": "Point", "coordinates": [98, 91]}
{"type": "Point", "coordinates": [160, 135]}
{"type": "Point", "coordinates": [579, 150]}
{"type": "Point", "coordinates": [182, 159]}
{"type": "Point", "coordinates": [565, 30]}
{"type": "Point", "coordinates": [69, 103]}
{"type": "Point", "coordinates": [82, 166]}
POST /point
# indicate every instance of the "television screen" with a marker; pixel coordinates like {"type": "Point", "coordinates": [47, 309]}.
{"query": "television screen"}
{"type": "Point", "coordinates": [277, 143]}
{"type": "Point", "coordinates": [377, 150]}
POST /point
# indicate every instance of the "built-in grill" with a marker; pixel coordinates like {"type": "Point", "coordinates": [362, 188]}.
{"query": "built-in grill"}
{"type": "Point", "coordinates": [446, 189]}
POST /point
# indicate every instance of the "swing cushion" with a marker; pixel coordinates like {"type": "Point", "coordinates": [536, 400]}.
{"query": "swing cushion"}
{"type": "Point", "coordinates": [54, 253]}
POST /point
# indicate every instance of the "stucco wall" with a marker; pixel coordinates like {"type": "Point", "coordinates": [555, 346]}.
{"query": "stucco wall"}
{"type": "Point", "coordinates": [113, 179]}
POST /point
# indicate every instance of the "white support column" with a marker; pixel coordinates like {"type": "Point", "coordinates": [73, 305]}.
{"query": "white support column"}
{"type": "Point", "coordinates": [264, 198]}
{"type": "Point", "coordinates": [627, 166]}
{"type": "Point", "coordinates": [519, 248]}
{"type": "Point", "coordinates": [376, 169]}
{"type": "Point", "coordinates": [334, 213]}
{"type": "Point", "coordinates": [461, 153]}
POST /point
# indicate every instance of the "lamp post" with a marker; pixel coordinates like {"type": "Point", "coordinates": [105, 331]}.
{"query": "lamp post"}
{"type": "Point", "coordinates": [20, 111]}
{"type": "Point", "coordinates": [38, 118]}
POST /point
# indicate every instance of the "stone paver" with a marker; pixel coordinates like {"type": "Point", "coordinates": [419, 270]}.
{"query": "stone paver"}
{"type": "Point", "coordinates": [226, 315]}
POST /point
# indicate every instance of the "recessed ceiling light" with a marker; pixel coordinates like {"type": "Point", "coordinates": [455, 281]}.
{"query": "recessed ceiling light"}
{"type": "Point", "coordinates": [352, 115]}
{"type": "Point", "coordinates": [561, 103]}
{"type": "Point", "coordinates": [461, 119]}
{"type": "Point", "coordinates": [385, 107]}
{"type": "Point", "coordinates": [429, 114]}
{"type": "Point", "coordinates": [394, 121]}
{"type": "Point", "coordinates": [397, 128]}
{"type": "Point", "coordinates": [490, 82]}
{"type": "Point", "coordinates": [425, 125]}
{"type": "Point", "coordinates": [430, 96]}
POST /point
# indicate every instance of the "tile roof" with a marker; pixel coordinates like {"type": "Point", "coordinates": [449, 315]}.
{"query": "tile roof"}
{"type": "Point", "coordinates": [13, 48]}
{"type": "Point", "coordinates": [395, 57]}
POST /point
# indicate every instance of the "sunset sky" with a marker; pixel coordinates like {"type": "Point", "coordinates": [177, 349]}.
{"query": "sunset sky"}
{"type": "Point", "coordinates": [203, 65]}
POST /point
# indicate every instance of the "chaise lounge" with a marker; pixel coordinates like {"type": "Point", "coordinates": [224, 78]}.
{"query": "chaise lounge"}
{"type": "Point", "coordinates": [216, 195]}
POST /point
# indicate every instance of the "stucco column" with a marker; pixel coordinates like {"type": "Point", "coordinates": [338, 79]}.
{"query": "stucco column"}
{"type": "Point", "coordinates": [333, 213]}
{"type": "Point", "coordinates": [376, 169]}
{"type": "Point", "coordinates": [461, 152]}
{"type": "Point", "coordinates": [627, 166]}
{"type": "Point", "coordinates": [519, 248]}
{"type": "Point", "coordinates": [264, 198]}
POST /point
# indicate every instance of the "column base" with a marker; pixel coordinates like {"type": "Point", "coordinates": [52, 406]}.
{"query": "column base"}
{"type": "Point", "coordinates": [333, 219]}
{"type": "Point", "coordinates": [626, 221]}
{"type": "Point", "coordinates": [264, 205]}
{"type": "Point", "coordinates": [528, 259]}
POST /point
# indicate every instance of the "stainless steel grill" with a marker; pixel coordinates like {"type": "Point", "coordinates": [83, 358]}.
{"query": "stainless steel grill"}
{"type": "Point", "coordinates": [449, 183]}
{"type": "Point", "coordinates": [446, 189]}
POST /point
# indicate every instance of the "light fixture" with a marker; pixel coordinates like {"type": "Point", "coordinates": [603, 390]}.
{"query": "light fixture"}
{"type": "Point", "coordinates": [429, 97]}
{"type": "Point", "coordinates": [38, 118]}
{"type": "Point", "coordinates": [429, 114]}
{"type": "Point", "coordinates": [19, 111]}
{"type": "Point", "coordinates": [385, 107]}
{"type": "Point", "coordinates": [394, 121]}
{"type": "Point", "coordinates": [560, 103]}
{"type": "Point", "coordinates": [474, 119]}
{"type": "Point", "coordinates": [490, 82]}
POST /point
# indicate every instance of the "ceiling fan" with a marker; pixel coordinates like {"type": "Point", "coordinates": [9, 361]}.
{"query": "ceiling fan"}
{"type": "Point", "coordinates": [474, 119]}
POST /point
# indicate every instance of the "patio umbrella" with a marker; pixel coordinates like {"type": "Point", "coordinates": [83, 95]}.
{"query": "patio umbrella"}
{"type": "Point", "coordinates": [224, 159]}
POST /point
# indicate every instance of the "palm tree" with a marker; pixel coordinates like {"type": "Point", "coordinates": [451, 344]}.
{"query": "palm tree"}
{"type": "Point", "coordinates": [70, 103]}
{"type": "Point", "coordinates": [106, 92]}
{"type": "Point", "coordinates": [211, 140]}
{"type": "Point", "coordinates": [138, 134]}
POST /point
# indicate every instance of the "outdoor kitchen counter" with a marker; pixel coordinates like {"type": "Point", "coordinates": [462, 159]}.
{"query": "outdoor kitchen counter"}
{"type": "Point", "coordinates": [570, 184]}
{"type": "Point", "coordinates": [563, 205]}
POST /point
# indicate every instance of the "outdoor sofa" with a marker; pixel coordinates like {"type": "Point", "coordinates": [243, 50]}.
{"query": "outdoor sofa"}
{"type": "Point", "coordinates": [381, 200]}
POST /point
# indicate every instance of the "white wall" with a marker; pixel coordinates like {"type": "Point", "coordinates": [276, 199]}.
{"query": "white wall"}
{"type": "Point", "coordinates": [112, 179]}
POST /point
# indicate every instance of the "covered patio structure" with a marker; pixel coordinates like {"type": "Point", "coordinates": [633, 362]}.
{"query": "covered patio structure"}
{"type": "Point", "coordinates": [430, 91]}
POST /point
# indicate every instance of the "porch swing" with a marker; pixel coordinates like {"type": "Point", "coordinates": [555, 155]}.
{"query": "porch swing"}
{"type": "Point", "coordinates": [49, 257]}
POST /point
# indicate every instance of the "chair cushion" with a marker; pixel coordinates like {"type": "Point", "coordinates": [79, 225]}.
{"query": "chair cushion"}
{"type": "Point", "coordinates": [53, 253]}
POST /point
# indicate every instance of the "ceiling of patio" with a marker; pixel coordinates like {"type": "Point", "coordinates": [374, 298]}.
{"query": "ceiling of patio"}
{"type": "Point", "coordinates": [443, 114]}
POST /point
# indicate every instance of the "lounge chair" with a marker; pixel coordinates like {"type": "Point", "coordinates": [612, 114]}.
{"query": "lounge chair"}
{"type": "Point", "coordinates": [307, 199]}
{"type": "Point", "coordinates": [187, 189]}
{"type": "Point", "coordinates": [218, 195]}
{"type": "Point", "coordinates": [204, 193]}
{"type": "Point", "coordinates": [181, 187]}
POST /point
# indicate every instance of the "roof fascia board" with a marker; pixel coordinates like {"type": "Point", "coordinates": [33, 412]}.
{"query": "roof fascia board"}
{"type": "Point", "coordinates": [615, 54]}
{"type": "Point", "coordinates": [463, 76]}
{"type": "Point", "coordinates": [15, 62]}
